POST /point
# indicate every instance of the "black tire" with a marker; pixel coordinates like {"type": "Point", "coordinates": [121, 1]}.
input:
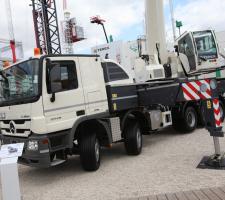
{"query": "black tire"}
{"type": "Point", "coordinates": [89, 152]}
{"type": "Point", "coordinates": [186, 123]}
{"type": "Point", "coordinates": [177, 120]}
{"type": "Point", "coordinates": [222, 111]}
{"type": "Point", "coordinates": [133, 138]}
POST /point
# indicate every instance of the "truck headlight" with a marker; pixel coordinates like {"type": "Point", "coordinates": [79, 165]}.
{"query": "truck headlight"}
{"type": "Point", "coordinates": [213, 84]}
{"type": "Point", "coordinates": [32, 145]}
{"type": "Point", "coordinates": [203, 87]}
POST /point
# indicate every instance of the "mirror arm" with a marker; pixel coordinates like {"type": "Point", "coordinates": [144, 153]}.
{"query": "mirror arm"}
{"type": "Point", "coordinates": [52, 99]}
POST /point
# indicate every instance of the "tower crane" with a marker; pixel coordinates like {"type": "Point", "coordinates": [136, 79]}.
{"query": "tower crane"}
{"type": "Point", "coordinates": [66, 29]}
{"type": "Point", "coordinates": [10, 29]}
{"type": "Point", "coordinates": [46, 26]}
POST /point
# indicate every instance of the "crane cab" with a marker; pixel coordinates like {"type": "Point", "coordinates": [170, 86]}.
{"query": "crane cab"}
{"type": "Point", "coordinates": [200, 48]}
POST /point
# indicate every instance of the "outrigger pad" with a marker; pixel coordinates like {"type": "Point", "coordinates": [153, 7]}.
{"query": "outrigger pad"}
{"type": "Point", "coordinates": [212, 162]}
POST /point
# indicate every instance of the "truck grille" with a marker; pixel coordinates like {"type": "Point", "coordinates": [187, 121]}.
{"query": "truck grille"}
{"type": "Point", "coordinates": [19, 128]}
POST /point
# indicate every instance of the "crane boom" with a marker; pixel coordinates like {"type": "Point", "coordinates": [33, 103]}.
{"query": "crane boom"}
{"type": "Point", "coordinates": [10, 28]}
{"type": "Point", "coordinates": [155, 29]}
{"type": "Point", "coordinates": [46, 26]}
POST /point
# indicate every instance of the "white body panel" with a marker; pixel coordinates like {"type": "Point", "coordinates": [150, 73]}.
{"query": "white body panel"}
{"type": "Point", "coordinates": [93, 85]}
{"type": "Point", "coordinates": [90, 96]}
{"type": "Point", "coordinates": [127, 55]}
{"type": "Point", "coordinates": [220, 36]}
{"type": "Point", "coordinates": [123, 53]}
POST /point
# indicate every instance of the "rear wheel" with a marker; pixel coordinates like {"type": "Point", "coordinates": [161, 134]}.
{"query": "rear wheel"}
{"type": "Point", "coordinates": [133, 138]}
{"type": "Point", "coordinates": [90, 152]}
{"type": "Point", "coordinates": [186, 123]}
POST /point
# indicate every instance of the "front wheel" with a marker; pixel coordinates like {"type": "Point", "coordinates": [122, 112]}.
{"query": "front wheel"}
{"type": "Point", "coordinates": [90, 152]}
{"type": "Point", "coordinates": [133, 138]}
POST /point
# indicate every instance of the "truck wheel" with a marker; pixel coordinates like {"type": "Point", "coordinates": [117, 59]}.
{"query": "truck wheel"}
{"type": "Point", "coordinates": [90, 152]}
{"type": "Point", "coordinates": [133, 138]}
{"type": "Point", "coordinates": [189, 120]}
{"type": "Point", "coordinates": [186, 123]}
{"type": "Point", "coordinates": [176, 118]}
{"type": "Point", "coordinates": [222, 111]}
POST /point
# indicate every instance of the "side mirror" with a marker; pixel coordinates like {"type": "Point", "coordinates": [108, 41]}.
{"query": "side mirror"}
{"type": "Point", "coordinates": [185, 63]}
{"type": "Point", "coordinates": [176, 48]}
{"type": "Point", "coordinates": [48, 62]}
{"type": "Point", "coordinates": [55, 79]}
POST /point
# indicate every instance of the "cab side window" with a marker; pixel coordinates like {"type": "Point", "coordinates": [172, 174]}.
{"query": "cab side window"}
{"type": "Point", "coordinates": [62, 76]}
{"type": "Point", "coordinates": [113, 72]}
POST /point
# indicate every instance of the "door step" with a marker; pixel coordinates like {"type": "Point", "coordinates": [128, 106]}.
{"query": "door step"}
{"type": "Point", "coordinates": [57, 162]}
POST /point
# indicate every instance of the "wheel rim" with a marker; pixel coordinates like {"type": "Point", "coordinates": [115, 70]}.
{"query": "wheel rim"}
{"type": "Point", "coordinates": [139, 138]}
{"type": "Point", "coordinates": [191, 119]}
{"type": "Point", "coordinates": [97, 150]}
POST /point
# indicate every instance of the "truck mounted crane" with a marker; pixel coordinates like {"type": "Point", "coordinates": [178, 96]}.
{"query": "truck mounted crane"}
{"type": "Point", "coordinates": [76, 104]}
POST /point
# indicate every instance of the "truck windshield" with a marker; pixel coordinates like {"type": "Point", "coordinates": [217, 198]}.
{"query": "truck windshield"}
{"type": "Point", "coordinates": [19, 82]}
{"type": "Point", "coordinates": [205, 44]}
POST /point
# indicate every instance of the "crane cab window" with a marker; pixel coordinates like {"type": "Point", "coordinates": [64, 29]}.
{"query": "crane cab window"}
{"type": "Point", "coordinates": [186, 47]}
{"type": "Point", "coordinates": [205, 44]}
{"type": "Point", "coordinates": [62, 76]}
{"type": "Point", "coordinates": [113, 72]}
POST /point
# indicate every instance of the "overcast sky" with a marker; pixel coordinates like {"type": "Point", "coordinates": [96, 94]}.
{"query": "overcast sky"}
{"type": "Point", "coordinates": [124, 19]}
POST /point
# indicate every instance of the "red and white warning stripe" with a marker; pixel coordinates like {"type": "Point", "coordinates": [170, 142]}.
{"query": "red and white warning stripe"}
{"type": "Point", "coordinates": [216, 107]}
{"type": "Point", "coordinates": [192, 90]}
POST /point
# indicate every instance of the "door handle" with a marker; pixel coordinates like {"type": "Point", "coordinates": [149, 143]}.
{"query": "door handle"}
{"type": "Point", "coordinates": [80, 112]}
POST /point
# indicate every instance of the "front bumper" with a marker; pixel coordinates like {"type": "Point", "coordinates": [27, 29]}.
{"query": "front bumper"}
{"type": "Point", "coordinates": [48, 145]}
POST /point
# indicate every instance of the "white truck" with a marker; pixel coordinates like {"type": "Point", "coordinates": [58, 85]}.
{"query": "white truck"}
{"type": "Point", "coordinates": [65, 105]}
{"type": "Point", "coordinates": [60, 105]}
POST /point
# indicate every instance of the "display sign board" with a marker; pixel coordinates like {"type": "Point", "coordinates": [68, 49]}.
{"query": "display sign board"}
{"type": "Point", "coordinates": [11, 150]}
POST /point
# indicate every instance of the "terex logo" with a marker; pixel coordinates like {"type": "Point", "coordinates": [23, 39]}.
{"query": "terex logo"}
{"type": "Point", "coordinates": [101, 49]}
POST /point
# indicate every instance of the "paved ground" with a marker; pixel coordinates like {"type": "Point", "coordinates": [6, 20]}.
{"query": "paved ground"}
{"type": "Point", "coordinates": [203, 194]}
{"type": "Point", "coordinates": [167, 165]}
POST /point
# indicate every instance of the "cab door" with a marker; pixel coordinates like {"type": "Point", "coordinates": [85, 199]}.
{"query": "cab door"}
{"type": "Point", "coordinates": [63, 96]}
{"type": "Point", "coordinates": [186, 46]}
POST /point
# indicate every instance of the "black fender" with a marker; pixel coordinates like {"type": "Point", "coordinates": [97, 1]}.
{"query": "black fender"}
{"type": "Point", "coordinates": [141, 114]}
{"type": "Point", "coordinates": [81, 120]}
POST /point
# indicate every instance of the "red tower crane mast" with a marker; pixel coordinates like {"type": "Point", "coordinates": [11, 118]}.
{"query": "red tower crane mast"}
{"type": "Point", "coordinates": [46, 26]}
